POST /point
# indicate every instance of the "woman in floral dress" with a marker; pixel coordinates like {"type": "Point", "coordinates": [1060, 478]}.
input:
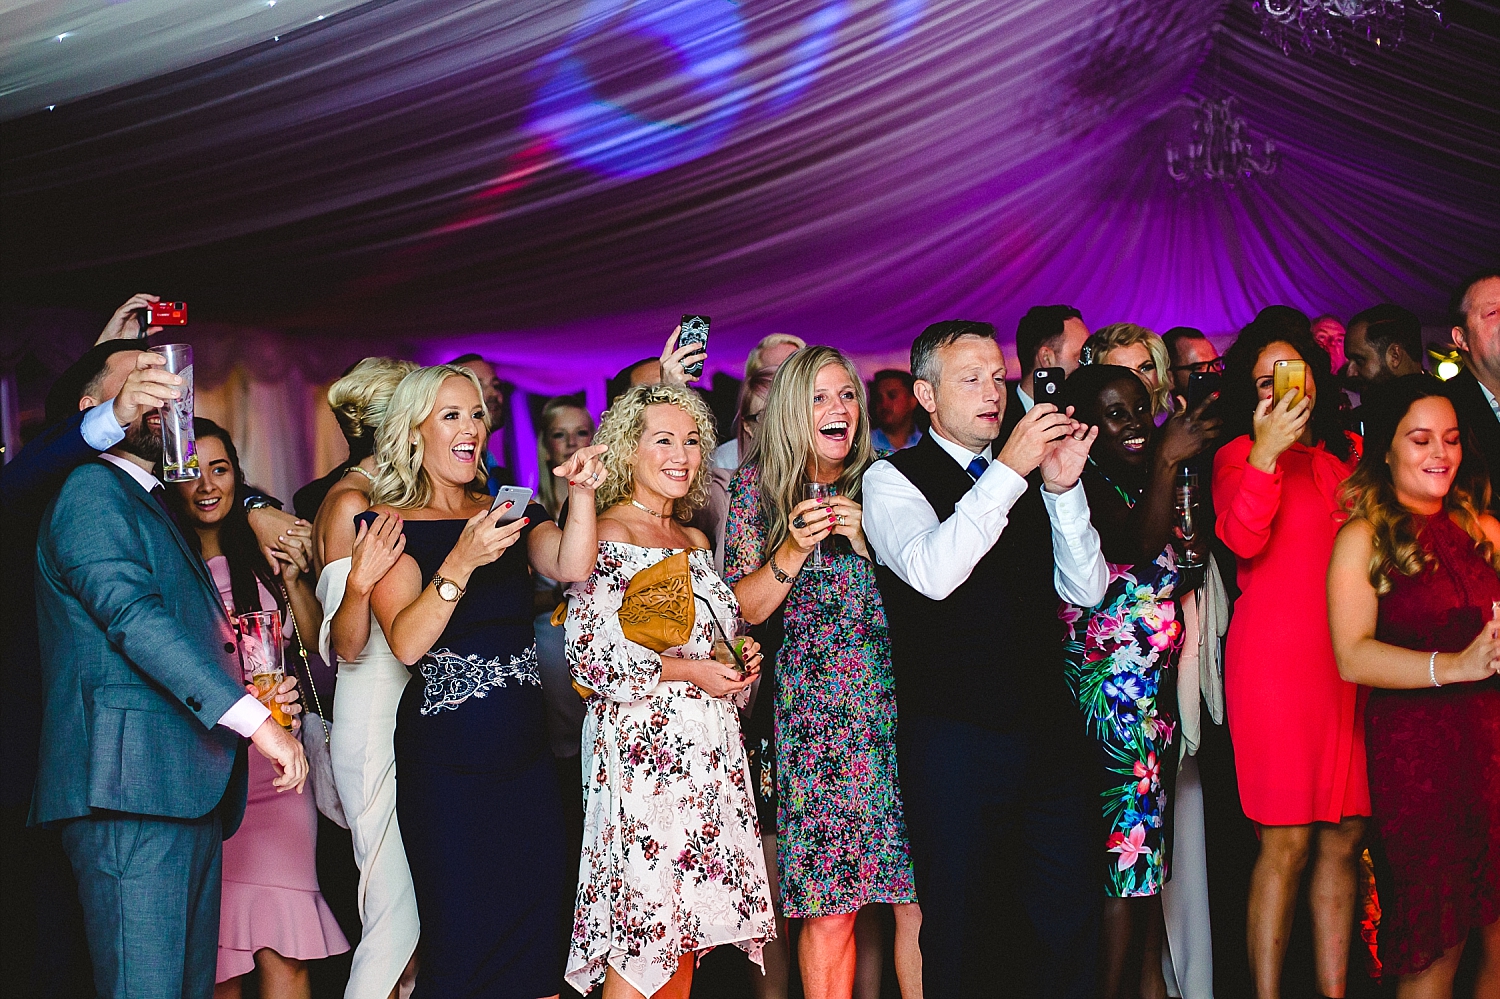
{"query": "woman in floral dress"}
{"type": "Point", "coordinates": [672, 863]}
{"type": "Point", "coordinates": [841, 834]}
{"type": "Point", "coordinates": [1120, 652]}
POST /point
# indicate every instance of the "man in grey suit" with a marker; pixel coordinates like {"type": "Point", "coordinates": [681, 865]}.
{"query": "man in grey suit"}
{"type": "Point", "coordinates": [142, 768]}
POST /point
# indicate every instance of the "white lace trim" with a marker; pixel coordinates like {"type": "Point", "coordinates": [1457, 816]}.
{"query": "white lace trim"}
{"type": "Point", "coordinates": [449, 679]}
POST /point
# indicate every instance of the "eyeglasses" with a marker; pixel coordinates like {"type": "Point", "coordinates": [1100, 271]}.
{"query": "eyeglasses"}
{"type": "Point", "coordinates": [1216, 366]}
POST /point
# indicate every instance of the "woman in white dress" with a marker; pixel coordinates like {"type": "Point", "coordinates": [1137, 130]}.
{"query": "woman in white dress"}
{"type": "Point", "coordinates": [672, 864]}
{"type": "Point", "coordinates": [370, 683]}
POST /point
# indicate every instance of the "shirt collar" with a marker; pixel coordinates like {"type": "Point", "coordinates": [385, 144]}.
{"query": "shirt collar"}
{"type": "Point", "coordinates": [1489, 397]}
{"type": "Point", "coordinates": [958, 452]}
{"type": "Point", "coordinates": [1026, 401]}
{"type": "Point", "coordinates": [143, 478]}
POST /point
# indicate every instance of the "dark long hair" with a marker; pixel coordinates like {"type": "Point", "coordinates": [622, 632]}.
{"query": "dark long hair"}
{"type": "Point", "coordinates": [247, 563]}
{"type": "Point", "coordinates": [1237, 400]}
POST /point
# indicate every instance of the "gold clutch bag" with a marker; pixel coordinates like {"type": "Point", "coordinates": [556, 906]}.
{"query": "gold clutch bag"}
{"type": "Point", "coordinates": [657, 611]}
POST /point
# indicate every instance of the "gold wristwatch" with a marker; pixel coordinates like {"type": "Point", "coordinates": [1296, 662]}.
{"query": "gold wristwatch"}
{"type": "Point", "coordinates": [447, 589]}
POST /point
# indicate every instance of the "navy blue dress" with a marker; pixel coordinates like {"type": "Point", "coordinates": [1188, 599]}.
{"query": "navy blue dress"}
{"type": "Point", "coordinates": [476, 793]}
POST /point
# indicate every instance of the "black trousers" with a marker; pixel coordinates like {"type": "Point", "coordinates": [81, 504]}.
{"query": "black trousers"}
{"type": "Point", "coordinates": [979, 802]}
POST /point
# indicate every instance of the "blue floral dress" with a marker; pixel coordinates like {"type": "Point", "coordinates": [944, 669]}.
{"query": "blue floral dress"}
{"type": "Point", "coordinates": [1119, 655]}
{"type": "Point", "coordinates": [841, 834]}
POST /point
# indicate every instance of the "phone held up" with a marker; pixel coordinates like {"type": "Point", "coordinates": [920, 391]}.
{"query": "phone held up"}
{"type": "Point", "coordinates": [1047, 383]}
{"type": "Point", "coordinates": [517, 497]}
{"type": "Point", "coordinates": [1201, 385]}
{"type": "Point", "coordinates": [694, 329]}
{"type": "Point", "coordinates": [1288, 376]}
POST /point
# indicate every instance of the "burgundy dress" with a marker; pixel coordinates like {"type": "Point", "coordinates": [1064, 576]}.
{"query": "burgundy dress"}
{"type": "Point", "coordinates": [1434, 757]}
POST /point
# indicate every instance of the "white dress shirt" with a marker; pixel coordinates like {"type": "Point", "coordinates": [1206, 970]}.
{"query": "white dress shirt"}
{"type": "Point", "coordinates": [1026, 401]}
{"type": "Point", "coordinates": [935, 557]}
{"type": "Point", "coordinates": [100, 430]}
{"type": "Point", "coordinates": [1489, 397]}
{"type": "Point", "coordinates": [246, 714]}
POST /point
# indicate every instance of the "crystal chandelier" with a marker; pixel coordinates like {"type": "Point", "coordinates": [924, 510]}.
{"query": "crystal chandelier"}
{"type": "Point", "coordinates": [1335, 24]}
{"type": "Point", "coordinates": [1220, 149]}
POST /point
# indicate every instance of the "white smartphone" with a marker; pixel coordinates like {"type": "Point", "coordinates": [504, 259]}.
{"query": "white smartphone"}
{"type": "Point", "coordinates": [517, 496]}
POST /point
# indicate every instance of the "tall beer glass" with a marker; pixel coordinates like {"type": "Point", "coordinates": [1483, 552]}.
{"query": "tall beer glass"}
{"type": "Point", "coordinates": [261, 652]}
{"type": "Point", "coordinates": [179, 456]}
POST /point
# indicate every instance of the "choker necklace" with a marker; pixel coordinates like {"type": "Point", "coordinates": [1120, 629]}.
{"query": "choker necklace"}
{"type": "Point", "coordinates": [647, 509]}
{"type": "Point", "coordinates": [361, 471]}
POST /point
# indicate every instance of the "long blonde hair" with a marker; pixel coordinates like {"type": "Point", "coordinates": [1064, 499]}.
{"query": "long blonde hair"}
{"type": "Point", "coordinates": [1117, 335]}
{"type": "Point", "coordinates": [621, 428]}
{"type": "Point", "coordinates": [547, 492]}
{"type": "Point", "coordinates": [786, 443]}
{"type": "Point", "coordinates": [400, 479]}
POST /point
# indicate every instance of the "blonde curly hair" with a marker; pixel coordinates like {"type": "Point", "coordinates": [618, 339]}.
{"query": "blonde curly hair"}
{"type": "Point", "coordinates": [621, 428]}
{"type": "Point", "coordinates": [400, 480]}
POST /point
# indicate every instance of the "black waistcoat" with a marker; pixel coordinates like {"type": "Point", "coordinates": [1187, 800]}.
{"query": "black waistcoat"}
{"type": "Point", "coordinates": [991, 652]}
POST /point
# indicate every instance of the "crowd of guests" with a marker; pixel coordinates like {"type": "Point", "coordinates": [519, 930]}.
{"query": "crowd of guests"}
{"type": "Point", "coordinates": [940, 650]}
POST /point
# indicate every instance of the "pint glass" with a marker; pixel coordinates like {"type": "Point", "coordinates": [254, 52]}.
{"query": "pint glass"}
{"type": "Point", "coordinates": [179, 458]}
{"type": "Point", "coordinates": [261, 653]}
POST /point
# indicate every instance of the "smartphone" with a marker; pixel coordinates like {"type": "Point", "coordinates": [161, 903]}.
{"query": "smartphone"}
{"type": "Point", "coordinates": [1047, 383]}
{"type": "Point", "coordinates": [694, 329]}
{"type": "Point", "coordinates": [517, 496]}
{"type": "Point", "coordinates": [1201, 385]}
{"type": "Point", "coordinates": [1288, 376]}
{"type": "Point", "coordinates": [166, 314]}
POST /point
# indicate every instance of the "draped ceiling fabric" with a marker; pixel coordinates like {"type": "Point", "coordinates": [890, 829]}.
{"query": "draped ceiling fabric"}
{"type": "Point", "coordinates": [554, 181]}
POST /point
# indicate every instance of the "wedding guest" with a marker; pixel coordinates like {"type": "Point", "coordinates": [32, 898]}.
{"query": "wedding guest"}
{"type": "Point", "coordinates": [478, 804]}
{"type": "Point", "coordinates": [564, 427]}
{"type": "Point", "coordinates": [840, 837]}
{"type": "Point", "coordinates": [671, 863]}
{"type": "Point", "coordinates": [1328, 333]}
{"type": "Point", "coordinates": [1383, 343]}
{"type": "Point", "coordinates": [1048, 336]}
{"type": "Point", "coordinates": [1122, 650]}
{"type": "Point", "coordinates": [370, 683]}
{"type": "Point", "coordinates": [760, 368]}
{"type": "Point", "coordinates": [972, 551]}
{"type": "Point", "coordinates": [273, 918]}
{"type": "Point", "coordinates": [1475, 311]}
{"type": "Point", "coordinates": [1413, 594]}
{"type": "Point", "coordinates": [1298, 728]}
{"type": "Point", "coordinates": [496, 474]}
{"type": "Point", "coordinates": [1140, 350]}
{"type": "Point", "coordinates": [893, 410]}
{"type": "Point", "coordinates": [1189, 351]}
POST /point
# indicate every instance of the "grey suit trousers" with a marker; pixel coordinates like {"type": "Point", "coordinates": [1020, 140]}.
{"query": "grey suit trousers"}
{"type": "Point", "coordinates": [150, 893]}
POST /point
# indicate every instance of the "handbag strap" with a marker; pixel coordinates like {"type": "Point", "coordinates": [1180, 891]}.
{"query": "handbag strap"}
{"type": "Point", "coordinates": [306, 665]}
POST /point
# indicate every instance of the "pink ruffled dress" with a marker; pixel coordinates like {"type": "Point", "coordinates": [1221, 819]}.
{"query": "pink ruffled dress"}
{"type": "Point", "coordinates": [271, 898]}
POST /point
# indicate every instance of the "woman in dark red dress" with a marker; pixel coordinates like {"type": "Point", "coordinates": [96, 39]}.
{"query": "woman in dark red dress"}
{"type": "Point", "coordinates": [1412, 594]}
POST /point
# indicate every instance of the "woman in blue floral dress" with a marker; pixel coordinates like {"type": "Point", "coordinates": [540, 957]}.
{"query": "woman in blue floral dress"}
{"type": "Point", "coordinates": [1121, 652]}
{"type": "Point", "coordinates": [841, 834]}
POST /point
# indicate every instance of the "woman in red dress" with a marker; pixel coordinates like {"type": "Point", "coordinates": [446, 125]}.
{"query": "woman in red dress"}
{"type": "Point", "coordinates": [1412, 595]}
{"type": "Point", "coordinates": [1297, 727]}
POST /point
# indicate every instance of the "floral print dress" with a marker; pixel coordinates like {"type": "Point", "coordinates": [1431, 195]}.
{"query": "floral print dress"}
{"type": "Point", "coordinates": [841, 834]}
{"type": "Point", "coordinates": [672, 861]}
{"type": "Point", "coordinates": [1118, 654]}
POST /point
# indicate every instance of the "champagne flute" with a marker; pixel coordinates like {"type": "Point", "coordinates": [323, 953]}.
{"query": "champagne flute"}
{"type": "Point", "coordinates": [1186, 495]}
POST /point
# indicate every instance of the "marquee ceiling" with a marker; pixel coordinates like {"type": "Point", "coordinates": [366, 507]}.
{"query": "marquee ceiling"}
{"type": "Point", "coordinates": [547, 178]}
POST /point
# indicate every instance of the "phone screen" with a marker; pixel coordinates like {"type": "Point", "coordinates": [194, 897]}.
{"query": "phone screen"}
{"type": "Point", "coordinates": [694, 329]}
{"type": "Point", "coordinates": [1288, 376]}
{"type": "Point", "coordinates": [517, 496]}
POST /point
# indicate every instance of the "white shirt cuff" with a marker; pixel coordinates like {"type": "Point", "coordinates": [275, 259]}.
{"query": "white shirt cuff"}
{"type": "Point", "coordinates": [101, 431]}
{"type": "Point", "coordinates": [245, 716]}
{"type": "Point", "coordinates": [1067, 508]}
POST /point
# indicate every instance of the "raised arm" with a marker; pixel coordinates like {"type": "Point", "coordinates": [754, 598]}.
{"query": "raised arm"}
{"type": "Point", "coordinates": [1246, 499]}
{"type": "Point", "coordinates": [748, 568]}
{"type": "Point", "coordinates": [567, 554]}
{"type": "Point", "coordinates": [377, 547]}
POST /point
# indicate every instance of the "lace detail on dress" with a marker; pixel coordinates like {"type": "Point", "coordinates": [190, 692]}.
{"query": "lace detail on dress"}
{"type": "Point", "coordinates": [449, 679]}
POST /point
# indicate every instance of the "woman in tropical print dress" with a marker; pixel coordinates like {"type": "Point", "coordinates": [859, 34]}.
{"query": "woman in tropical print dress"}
{"type": "Point", "coordinates": [672, 863]}
{"type": "Point", "coordinates": [841, 835]}
{"type": "Point", "coordinates": [1121, 651]}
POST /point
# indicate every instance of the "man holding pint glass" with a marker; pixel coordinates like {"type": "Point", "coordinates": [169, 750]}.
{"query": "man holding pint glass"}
{"type": "Point", "coordinates": [143, 714]}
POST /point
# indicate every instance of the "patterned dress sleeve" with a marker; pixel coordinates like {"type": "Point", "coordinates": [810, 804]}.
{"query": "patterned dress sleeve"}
{"type": "Point", "coordinates": [1247, 499]}
{"type": "Point", "coordinates": [745, 535]}
{"type": "Point", "coordinates": [599, 655]}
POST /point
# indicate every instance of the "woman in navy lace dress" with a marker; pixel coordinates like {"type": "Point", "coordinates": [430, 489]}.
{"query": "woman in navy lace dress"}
{"type": "Point", "coordinates": [476, 796]}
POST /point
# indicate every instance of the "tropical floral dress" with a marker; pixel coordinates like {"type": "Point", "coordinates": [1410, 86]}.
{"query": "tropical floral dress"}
{"type": "Point", "coordinates": [1118, 658]}
{"type": "Point", "coordinates": [841, 834]}
{"type": "Point", "coordinates": [672, 862]}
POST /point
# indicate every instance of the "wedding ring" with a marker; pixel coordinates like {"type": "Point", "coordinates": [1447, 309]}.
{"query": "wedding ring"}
{"type": "Point", "coordinates": [841, 520]}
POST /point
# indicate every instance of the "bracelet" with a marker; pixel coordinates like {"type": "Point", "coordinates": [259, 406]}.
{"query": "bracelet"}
{"type": "Point", "coordinates": [781, 577]}
{"type": "Point", "coordinates": [1432, 669]}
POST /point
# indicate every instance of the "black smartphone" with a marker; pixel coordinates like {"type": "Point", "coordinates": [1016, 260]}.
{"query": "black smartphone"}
{"type": "Point", "coordinates": [694, 329]}
{"type": "Point", "coordinates": [1201, 385]}
{"type": "Point", "coordinates": [1047, 383]}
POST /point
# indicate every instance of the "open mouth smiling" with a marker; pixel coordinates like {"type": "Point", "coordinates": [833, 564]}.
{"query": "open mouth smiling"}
{"type": "Point", "coordinates": [837, 430]}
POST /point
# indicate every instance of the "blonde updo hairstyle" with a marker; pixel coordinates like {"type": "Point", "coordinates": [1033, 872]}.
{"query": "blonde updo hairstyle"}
{"type": "Point", "coordinates": [359, 399]}
{"type": "Point", "coordinates": [400, 480]}
{"type": "Point", "coordinates": [1109, 338]}
{"type": "Point", "coordinates": [621, 428]}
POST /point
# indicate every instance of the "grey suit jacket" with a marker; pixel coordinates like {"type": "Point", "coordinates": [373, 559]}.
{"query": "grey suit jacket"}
{"type": "Point", "coordinates": [139, 661]}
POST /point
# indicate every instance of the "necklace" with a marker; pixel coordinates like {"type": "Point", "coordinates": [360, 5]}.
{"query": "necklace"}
{"type": "Point", "coordinates": [361, 471]}
{"type": "Point", "coordinates": [1130, 500]}
{"type": "Point", "coordinates": [647, 509]}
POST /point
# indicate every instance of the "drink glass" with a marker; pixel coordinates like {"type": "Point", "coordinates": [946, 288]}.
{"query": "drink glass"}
{"type": "Point", "coordinates": [1185, 492]}
{"type": "Point", "coordinates": [821, 557]}
{"type": "Point", "coordinates": [728, 646]}
{"type": "Point", "coordinates": [179, 456]}
{"type": "Point", "coordinates": [261, 652]}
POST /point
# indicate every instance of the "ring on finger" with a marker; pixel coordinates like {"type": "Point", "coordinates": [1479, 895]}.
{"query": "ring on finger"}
{"type": "Point", "coordinates": [798, 522]}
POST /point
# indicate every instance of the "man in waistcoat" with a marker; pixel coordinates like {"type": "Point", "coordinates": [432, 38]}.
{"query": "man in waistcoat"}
{"type": "Point", "coordinates": [974, 550]}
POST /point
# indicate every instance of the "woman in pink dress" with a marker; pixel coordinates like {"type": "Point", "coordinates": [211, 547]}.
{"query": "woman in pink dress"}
{"type": "Point", "coordinates": [1297, 727]}
{"type": "Point", "coordinates": [272, 917]}
{"type": "Point", "coordinates": [1412, 600]}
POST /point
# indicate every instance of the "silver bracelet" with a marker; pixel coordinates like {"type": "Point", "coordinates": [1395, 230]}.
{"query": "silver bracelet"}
{"type": "Point", "coordinates": [1432, 669]}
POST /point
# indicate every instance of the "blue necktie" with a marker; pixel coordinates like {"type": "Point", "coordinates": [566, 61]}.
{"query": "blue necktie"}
{"type": "Point", "coordinates": [977, 467]}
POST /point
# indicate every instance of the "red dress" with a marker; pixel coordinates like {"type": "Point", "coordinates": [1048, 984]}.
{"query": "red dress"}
{"type": "Point", "coordinates": [1298, 729]}
{"type": "Point", "coordinates": [1435, 764]}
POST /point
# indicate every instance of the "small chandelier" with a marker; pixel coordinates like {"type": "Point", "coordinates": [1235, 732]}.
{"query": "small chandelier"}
{"type": "Point", "coordinates": [1335, 24]}
{"type": "Point", "coordinates": [1220, 149]}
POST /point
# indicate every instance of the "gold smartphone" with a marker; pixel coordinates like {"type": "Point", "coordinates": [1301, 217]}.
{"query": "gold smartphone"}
{"type": "Point", "coordinates": [1288, 376]}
